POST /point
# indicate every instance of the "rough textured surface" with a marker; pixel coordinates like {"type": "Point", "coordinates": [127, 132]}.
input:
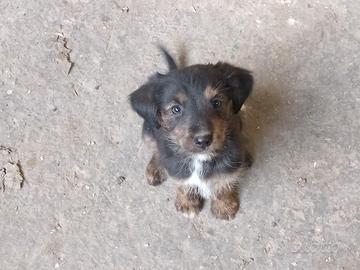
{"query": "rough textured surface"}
{"type": "Point", "coordinates": [84, 202]}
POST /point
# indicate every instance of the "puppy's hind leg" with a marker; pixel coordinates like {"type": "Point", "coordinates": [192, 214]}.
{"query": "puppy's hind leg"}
{"type": "Point", "coordinates": [155, 173]}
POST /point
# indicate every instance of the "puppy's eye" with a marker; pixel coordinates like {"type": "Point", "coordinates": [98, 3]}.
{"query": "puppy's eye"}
{"type": "Point", "coordinates": [176, 109]}
{"type": "Point", "coordinates": [216, 103]}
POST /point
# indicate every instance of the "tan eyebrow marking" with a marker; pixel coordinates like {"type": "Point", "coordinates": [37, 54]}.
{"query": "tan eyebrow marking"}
{"type": "Point", "coordinates": [210, 92]}
{"type": "Point", "coordinates": [181, 97]}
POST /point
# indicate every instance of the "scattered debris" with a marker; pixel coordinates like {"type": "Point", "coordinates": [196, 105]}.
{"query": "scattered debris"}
{"type": "Point", "coordinates": [12, 175]}
{"type": "Point", "coordinates": [121, 179]}
{"type": "Point", "coordinates": [76, 93]}
{"type": "Point", "coordinates": [268, 248]}
{"type": "Point", "coordinates": [21, 173]}
{"type": "Point", "coordinates": [9, 150]}
{"type": "Point", "coordinates": [2, 179]}
{"type": "Point", "coordinates": [57, 227]}
{"type": "Point", "coordinates": [246, 262]}
{"type": "Point", "coordinates": [125, 9]}
{"type": "Point", "coordinates": [301, 181]}
{"type": "Point", "coordinates": [275, 222]}
{"type": "Point", "coordinates": [243, 263]}
{"type": "Point", "coordinates": [71, 183]}
{"type": "Point", "coordinates": [64, 53]}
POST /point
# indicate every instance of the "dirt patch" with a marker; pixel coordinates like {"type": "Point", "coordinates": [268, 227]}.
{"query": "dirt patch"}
{"type": "Point", "coordinates": [64, 51]}
{"type": "Point", "coordinates": [12, 175]}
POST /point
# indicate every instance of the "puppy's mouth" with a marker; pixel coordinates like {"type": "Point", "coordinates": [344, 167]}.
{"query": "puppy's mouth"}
{"type": "Point", "coordinates": [207, 151]}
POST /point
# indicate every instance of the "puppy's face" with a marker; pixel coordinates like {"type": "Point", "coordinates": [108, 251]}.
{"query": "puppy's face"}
{"type": "Point", "coordinates": [193, 108]}
{"type": "Point", "coordinates": [195, 118]}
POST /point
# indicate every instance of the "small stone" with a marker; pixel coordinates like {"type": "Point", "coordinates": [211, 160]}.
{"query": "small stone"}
{"type": "Point", "coordinates": [268, 248]}
{"type": "Point", "coordinates": [301, 181]}
{"type": "Point", "coordinates": [121, 179]}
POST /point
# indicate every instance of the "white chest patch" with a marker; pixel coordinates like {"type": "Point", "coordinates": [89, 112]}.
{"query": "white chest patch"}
{"type": "Point", "coordinates": [196, 178]}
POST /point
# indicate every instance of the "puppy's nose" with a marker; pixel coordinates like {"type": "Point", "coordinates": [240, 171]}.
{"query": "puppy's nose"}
{"type": "Point", "coordinates": [203, 141]}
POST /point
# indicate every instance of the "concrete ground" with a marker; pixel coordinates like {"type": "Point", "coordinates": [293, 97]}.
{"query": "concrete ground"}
{"type": "Point", "coordinates": [73, 193]}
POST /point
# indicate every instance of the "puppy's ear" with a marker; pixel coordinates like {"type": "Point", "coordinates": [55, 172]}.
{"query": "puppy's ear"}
{"type": "Point", "coordinates": [143, 101]}
{"type": "Point", "coordinates": [239, 83]}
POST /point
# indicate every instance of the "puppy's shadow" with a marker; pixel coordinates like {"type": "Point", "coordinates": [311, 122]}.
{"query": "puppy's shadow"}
{"type": "Point", "coordinates": [260, 116]}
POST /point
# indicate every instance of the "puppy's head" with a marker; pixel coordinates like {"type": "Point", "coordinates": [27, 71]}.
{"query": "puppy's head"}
{"type": "Point", "coordinates": [192, 108]}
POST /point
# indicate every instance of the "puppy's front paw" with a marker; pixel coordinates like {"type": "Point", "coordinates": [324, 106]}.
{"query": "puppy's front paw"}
{"type": "Point", "coordinates": [188, 201]}
{"type": "Point", "coordinates": [225, 205]}
{"type": "Point", "coordinates": [155, 174]}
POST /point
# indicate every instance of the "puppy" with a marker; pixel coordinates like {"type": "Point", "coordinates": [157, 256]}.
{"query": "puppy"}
{"type": "Point", "coordinates": [191, 115]}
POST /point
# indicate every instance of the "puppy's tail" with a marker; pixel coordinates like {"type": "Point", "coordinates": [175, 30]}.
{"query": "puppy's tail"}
{"type": "Point", "coordinates": [169, 59]}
